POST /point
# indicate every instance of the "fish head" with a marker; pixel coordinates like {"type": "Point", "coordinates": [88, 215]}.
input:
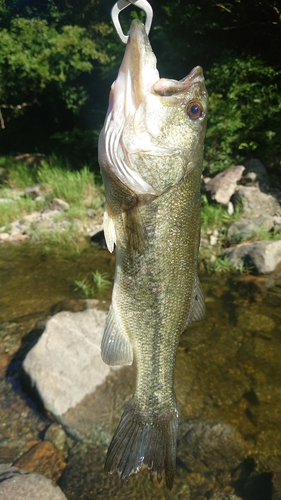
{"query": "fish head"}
{"type": "Point", "coordinates": [154, 130]}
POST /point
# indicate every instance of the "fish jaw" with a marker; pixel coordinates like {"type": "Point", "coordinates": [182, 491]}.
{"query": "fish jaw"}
{"type": "Point", "coordinates": [136, 77]}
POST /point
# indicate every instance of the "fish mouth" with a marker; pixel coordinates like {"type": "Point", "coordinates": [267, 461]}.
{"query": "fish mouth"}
{"type": "Point", "coordinates": [138, 75]}
{"type": "Point", "coordinates": [138, 72]}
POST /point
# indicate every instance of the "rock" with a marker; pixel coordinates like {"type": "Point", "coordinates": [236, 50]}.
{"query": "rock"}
{"type": "Point", "coordinates": [17, 484]}
{"type": "Point", "coordinates": [255, 203]}
{"type": "Point", "coordinates": [246, 228]}
{"type": "Point", "coordinates": [45, 459]}
{"type": "Point", "coordinates": [30, 158]}
{"type": "Point", "coordinates": [256, 173]}
{"type": "Point", "coordinates": [4, 237]}
{"type": "Point", "coordinates": [65, 365]}
{"type": "Point", "coordinates": [5, 360]}
{"type": "Point", "coordinates": [32, 217]}
{"type": "Point", "coordinates": [56, 435]}
{"type": "Point", "coordinates": [6, 201]}
{"type": "Point", "coordinates": [33, 191]}
{"type": "Point", "coordinates": [209, 446]}
{"type": "Point", "coordinates": [262, 256]}
{"type": "Point", "coordinates": [57, 204]}
{"type": "Point", "coordinates": [223, 185]}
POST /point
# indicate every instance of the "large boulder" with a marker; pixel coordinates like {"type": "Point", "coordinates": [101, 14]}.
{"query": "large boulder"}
{"type": "Point", "coordinates": [84, 394]}
{"type": "Point", "coordinates": [65, 365]}
{"type": "Point", "coordinates": [223, 185]}
{"type": "Point", "coordinates": [262, 256]}
{"type": "Point", "coordinates": [17, 484]}
{"type": "Point", "coordinates": [255, 203]}
{"type": "Point", "coordinates": [256, 173]}
{"type": "Point", "coordinates": [246, 228]}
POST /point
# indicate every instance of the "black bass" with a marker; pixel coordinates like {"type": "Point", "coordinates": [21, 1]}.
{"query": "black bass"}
{"type": "Point", "coordinates": [150, 153]}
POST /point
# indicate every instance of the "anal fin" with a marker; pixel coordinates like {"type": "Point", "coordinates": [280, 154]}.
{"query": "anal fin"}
{"type": "Point", "coordinates": [198, 308]}
{"type": "Point", "coordinates": [115, 346]}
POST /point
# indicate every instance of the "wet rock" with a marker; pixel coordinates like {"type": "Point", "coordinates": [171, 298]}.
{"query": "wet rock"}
{"type": "Point", "coordinates": [255, 203]}
{"type": "Point", "coordinates": [57, 204]}
{"type": "Point", "coordinates": [65, 365]}
{"type": "Point", "coordinates": [5, 359]}
{"type": "Point", "coordinates": [255, 172]}
{"type": "Point", "coordinates": [45, 459]}
{"type": "Point", "coordinates": [16, 484]}
{"type": "Point", "coordinates": [246, 228]}
{"type": "Point", "coordinates": [56, 435]}
{"type": "Point", "coordinates": [262, 256]}
{"type": "Point", "coordinates": [206, 447]}
{"type": "Point", "coordinates": [223, 185]}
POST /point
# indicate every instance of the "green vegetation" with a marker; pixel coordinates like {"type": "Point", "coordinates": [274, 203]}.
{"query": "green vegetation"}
{"type": "Point", "coordinates": [90, 288]}
{"type": "Point", "coordinates": [58, 60]}
{"type": "Point", "coordinates": [57, 180]}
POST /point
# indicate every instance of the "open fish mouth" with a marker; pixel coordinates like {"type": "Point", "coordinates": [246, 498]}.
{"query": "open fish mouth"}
{"type": "Point", "coordinates": [137, 73]}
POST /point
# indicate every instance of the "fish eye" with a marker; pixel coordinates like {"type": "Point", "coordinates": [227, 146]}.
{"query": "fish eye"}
{"type": "Point", "coordinates": [194, 110]}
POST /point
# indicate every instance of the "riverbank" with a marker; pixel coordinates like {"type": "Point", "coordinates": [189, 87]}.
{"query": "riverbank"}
{"type": "Point", "coordinates": [46, 202]}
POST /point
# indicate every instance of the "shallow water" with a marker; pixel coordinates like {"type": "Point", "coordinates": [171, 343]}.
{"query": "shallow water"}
{"type": "Point", "coordinates": [227, 381]}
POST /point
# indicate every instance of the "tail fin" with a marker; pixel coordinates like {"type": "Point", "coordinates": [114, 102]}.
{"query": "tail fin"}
{"type": "Point", "coordinates": [142, 440]}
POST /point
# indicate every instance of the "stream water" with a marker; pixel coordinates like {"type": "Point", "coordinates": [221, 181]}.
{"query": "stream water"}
{"type": "Point", "coordinates": [227, 381]}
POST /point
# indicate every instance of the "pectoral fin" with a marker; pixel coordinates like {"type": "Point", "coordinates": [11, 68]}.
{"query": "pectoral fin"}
{"type": "Point", "coordinates": [115, 346]}
{"type": "Point", "coordinates": [198, 308]}
{"type": "Point", "coordinates": [134, 230]}
{"type": "Point", "coordinates": [109, 231]}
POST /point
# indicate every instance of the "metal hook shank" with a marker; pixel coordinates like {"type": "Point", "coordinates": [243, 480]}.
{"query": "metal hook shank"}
{"type": "Point", "coordinates": [122, 4]}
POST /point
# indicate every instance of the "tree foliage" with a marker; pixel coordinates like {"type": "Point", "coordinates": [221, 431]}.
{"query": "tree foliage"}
{"type": "Point", "coordinates": [59, 57]}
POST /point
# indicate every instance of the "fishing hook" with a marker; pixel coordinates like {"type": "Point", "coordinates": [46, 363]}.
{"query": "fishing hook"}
{"type": "Point", "coordinates": [122, 4]}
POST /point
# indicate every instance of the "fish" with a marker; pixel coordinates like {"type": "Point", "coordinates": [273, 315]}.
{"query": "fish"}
{"type": "Point", "coordinates": [151, 155]}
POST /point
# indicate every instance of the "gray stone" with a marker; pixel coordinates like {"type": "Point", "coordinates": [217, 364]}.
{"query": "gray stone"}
{"type": "Point", "coordinates": [223, 185]}
{"type": "Point", "coordinates": [209, 446]}
{"type": "Point", "coordinates": [255, 172]}
{"type": "Point", "coordinates": [57, 204]}
{"type": "Point", "coordinates": [262, 256]}
{"type": "Point", "coordinates": [33, 191]}
{"type": "Point", "coordinates": [255, 203]}
{"type": "Point", "coordinates": [18, 484]}
{"type": "Point", "coordinates": [65, 365]}
{"type": "Point", "coordinates": [246, 228]}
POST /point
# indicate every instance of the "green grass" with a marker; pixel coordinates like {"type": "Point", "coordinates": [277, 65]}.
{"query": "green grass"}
{"type": "Point", "coordinates": [90, 288]}
{"type": "Point", "coordinates": [78, 188]}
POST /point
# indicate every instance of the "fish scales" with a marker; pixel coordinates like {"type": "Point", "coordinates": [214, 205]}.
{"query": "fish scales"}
{"type": "Point", "coordinates": [152, 187]}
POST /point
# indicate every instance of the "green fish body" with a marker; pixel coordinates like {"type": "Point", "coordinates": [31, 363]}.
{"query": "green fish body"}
{"type": "Point", "coordinates": [150, 153]}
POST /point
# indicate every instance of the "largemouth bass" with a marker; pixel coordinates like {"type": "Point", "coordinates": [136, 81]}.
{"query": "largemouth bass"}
{"type": "Point", "coordinates": [150, 153]}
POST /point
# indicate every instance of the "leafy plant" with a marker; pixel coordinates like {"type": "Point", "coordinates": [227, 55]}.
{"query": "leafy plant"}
{"type": "Point", "coordinates": [98, 283]}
